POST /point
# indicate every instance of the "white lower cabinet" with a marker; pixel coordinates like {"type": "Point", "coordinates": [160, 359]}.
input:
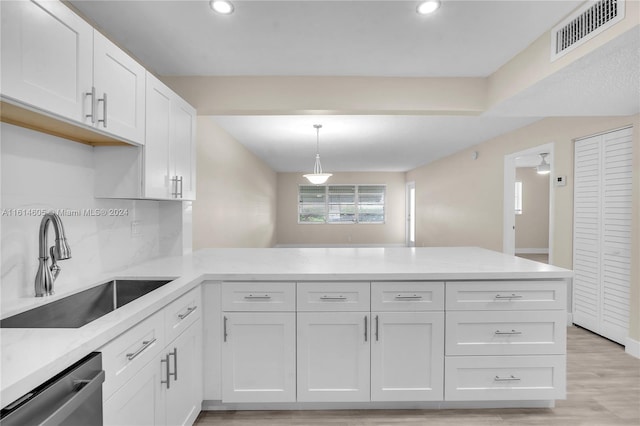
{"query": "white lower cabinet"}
{"type": "Point", "coordinates": [166, 389]}
{"type": "Point", "coordinates": [333, 356]}
{"type": "Point", "coordinates": [504, 378]}
{"type": "Point", "coordinates": [259, 357]}
{"type": "Point", "coordinates": [139, 402]}
{"type": "Point", "coordinates": [407, 356]}
{"type": "Point", "coordinates": [183, 377]}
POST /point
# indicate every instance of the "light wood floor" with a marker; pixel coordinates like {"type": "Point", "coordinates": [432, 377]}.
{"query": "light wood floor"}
{"type": "Point", "coordinates": [603, 389]}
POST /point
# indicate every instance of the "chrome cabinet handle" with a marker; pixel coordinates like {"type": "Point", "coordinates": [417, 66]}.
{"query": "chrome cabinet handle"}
{"type": "Point", "coordinates": [258, 297]}
{"type": "Point", "coordinates": [365, 328]}
{"type": "Point", "coordinates": [189, 312]}
{"type": "Point", "coordinates": [512, 296]}
{"type": "Point", "coordinates": [145, 344]}
{"type": "Point", "coordinates": [512, 332]}
{"type": "Point", "coordinates": [333, 298]}
{"type": "Point", "coordinates": [92, 93]}
{"type": "Point", "coordinates": [413, 297]}
{"type": "Point", "coordinates": [104, 110]}
{"type": "Point", "coordinates": [180, 181]}
{"type": "Point", "coordinates": [175, 192]}
{"type": "Point", "coordinates": [175, 364]}
{"type": "Point", "coordinates": [511, 378]}
{"type": "Point", "coordinates": [225, 329]}
{"type": "Point", "coordinates": [377, 328]}
{"type": "Point", "coordinates": [166, 365]}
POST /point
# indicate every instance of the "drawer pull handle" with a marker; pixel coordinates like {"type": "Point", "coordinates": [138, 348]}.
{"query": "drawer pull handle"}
{"type": "Point", "coordinates": [189, 312]}
{"type": "Point", "coordinates": [166, 365]}
{"type": "Point", "coordinates": [512, 296]}
{"type": "Point", "coordinates": [257, 296]}
{"type": "Point", "coordinates": [92, 93]}
{"type": "Point", "coordinates": [224, 334]}
{"type": "Point", "coordinates": [377, 328]}
{"type": "Point", "coordinates": [145, 344]}
{"type": "Point", "coordinates": [506, 379]}
{"type": "Point", "coordinates": [509, 333]}
{"type": "Point", "coordinates": [333, 298]}
{"type": "Point", "coordinates": [366, 327]}
{"type": "Point", "coordinates": [413, 297]}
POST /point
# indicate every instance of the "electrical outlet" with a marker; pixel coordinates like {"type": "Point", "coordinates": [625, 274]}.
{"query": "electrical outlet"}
{"type": "Point", "coordinates": [136, 228]}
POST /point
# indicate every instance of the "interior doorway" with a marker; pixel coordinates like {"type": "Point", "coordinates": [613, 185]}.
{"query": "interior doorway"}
{"type": "Point", "coordinates": [410, 209]}
{"type": "Point", "coordinates": [527, 233]}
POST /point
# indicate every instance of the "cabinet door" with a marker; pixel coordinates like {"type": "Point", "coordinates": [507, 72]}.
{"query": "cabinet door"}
{"type": "Point", "coordinates": [259, 357]}
{"type": "Point", "coordinates": [184, 148]}
{"type": "Point", "coordinates": [333, 356]}
{"type": "Point", "coordinates": [157, 149]}
{"type": "Point", "coordinates": [139, 402]}
{"type": "Point", "coordinates": [407, 356]}
{"type": "Point", "coordinates": [120, 89]}
{"type": "Point", "coordinates": [184, 392]}
{"type": "Point", "coordinates": [46, 57]}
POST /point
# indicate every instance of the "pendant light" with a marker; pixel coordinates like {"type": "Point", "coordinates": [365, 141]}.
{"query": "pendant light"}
{"type": "Point", "coordinates": [543, 168]}
{"type": "Point", "coordinates": [317, 177]}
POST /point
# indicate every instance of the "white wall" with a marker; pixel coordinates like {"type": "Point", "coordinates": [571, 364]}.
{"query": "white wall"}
{"type": "Point", "coordinates": [236, 193]}
{"type": "Point", "coordinates": [43, 172]}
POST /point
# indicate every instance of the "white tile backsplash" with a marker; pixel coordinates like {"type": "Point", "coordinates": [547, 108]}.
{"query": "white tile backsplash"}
{"type": "Point", "coordinates": [43, 172]}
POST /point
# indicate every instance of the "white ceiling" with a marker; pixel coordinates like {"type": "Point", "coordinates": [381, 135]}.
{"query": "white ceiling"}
{"type": "Point", "coordinates": [371, 38]}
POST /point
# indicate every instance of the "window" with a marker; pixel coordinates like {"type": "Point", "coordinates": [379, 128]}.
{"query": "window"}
{"type": "Point", "coordinates": [518, 198]}
{"type": "Point", "coordinates": [341, 203]}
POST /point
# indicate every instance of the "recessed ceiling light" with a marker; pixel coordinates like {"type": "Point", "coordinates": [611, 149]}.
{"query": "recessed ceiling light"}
{"type": "Point", "coordinates": [427, 7]}
{"type": "Point", "coordinates": [223, 7]}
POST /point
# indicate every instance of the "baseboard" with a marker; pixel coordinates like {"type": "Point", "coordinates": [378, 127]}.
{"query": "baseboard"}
{"type": "Point", "coordinates": [632, 347]}
{"type": "Point", "coordinates": [532, 250]}
{"type": "Point", "coordinates": [209, 405]}
{"type": "Point", "coordinates": [337, 245]}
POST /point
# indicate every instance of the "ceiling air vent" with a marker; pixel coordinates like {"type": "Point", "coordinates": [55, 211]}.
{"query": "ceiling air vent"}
{"type": "Point", "coordinates": [584, 24]}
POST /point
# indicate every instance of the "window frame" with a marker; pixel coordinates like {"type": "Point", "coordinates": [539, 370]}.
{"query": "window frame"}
{"type": "Point", "coordinates": [356, 205]}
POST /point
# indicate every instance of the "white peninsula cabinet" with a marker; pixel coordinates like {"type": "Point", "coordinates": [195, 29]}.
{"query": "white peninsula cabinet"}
{"type": "Point", "coordinates": [333, 342]}
{"type": "Point", "coordinates": [56, 63]}
{"type": "Point", "coordinates": [154, 370]}
{"type": "Point", "coordinates": [407, 349]}
{"type": "Point", "coordinates": [433, 344]}
{"type": "Point", "coordinates": [258, 349]}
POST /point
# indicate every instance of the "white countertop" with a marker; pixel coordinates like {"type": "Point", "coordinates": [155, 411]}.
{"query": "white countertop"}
{"type": "Point", "coordinates": [31, 356]}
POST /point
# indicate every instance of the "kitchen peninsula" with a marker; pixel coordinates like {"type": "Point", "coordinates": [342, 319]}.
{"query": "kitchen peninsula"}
{"type": "Point", "coordinates": [481, 328]}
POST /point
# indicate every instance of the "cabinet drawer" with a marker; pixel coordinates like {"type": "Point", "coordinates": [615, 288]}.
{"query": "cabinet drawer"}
{"type": "Point", "coordinates": [506, 333]}
{"type": "Point", "coordinates": [334, 296]}
{"type": "Point", "coordinates": [506, 295]}
{"type": "Point", "coordinates": [258, 297]}
{"type": "Point", "coordinates": [182, 312]}
{"type": "Point", "coordinates": [125, 355]}
{"type": "Point", "coordinates": [502, 378]}
{"type": "Point", "coordinates": [407, 296]}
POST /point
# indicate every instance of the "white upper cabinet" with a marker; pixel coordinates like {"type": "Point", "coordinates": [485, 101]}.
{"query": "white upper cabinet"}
{"type": "Point", "coordinates": [47, 57]}
{"type": "Point", "coordinates": [157, 150]}
{"type": "Point", "coordinates": [54, 62]}
{"type": "Point", "coordinates": [119, 83]}
{"type": "Point", "coordinates": [169, 152]}
{"type": "Point", "coordinates": [184, 149]}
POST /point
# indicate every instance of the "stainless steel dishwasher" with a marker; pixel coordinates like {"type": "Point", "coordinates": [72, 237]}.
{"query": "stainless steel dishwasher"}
{"type": "Point", "coordinates": [73, 398]}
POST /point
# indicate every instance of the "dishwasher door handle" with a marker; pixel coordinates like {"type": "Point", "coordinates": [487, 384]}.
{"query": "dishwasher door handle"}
{"type": "Point", "coordinates": [79, 397]}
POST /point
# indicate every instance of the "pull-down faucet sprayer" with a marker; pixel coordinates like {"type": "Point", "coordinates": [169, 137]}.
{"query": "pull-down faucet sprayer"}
{"type": "Point", "coordinates": [59, 251]}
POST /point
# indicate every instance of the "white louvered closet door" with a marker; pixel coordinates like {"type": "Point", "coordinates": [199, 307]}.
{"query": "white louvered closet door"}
{"type": "Point", "coordinates": [602, 233]}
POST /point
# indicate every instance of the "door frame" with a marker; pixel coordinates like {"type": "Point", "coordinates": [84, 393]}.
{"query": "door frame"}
{"type": "Point", "coordinates": [409, 215]}
{"type": "Point", "coordinates": [509, 217]}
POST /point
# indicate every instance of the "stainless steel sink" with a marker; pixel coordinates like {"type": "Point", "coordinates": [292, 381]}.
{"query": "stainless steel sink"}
{"type": "Point", "coordinates": [81, 308]}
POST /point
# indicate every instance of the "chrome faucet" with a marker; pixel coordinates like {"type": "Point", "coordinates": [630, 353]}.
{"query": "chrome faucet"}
{"type": "Point", "coordinates": [60, 251]}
